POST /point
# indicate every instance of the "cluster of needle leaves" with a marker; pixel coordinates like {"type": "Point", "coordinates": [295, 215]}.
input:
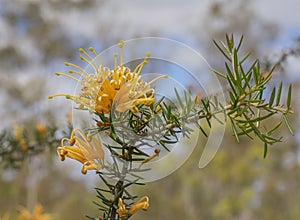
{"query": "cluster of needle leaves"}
{"type": "Point", "coordinates": [249, 101]}
{"type": "Point", "coordinates": [155, 127]}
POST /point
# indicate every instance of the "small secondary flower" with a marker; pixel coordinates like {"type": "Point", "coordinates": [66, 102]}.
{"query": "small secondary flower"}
{"type": "Point", "coordinates": [84, 148]}
{"type": "Point", "coordinates": [142, 203]}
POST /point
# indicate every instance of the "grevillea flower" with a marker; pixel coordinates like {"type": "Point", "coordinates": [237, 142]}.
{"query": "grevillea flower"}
{"type": "Point", "coordinates": [84, 148]}
{"type": "Point", "coordinates": [143, 204]}
{"type": "Point", "coordinates": [121, 87]}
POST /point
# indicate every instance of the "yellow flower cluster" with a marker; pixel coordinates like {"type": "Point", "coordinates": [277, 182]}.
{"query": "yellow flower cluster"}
{"type": "Point", "coordinates": [84, 148]}
{"type": "Point", "coordinates": [120, 88]}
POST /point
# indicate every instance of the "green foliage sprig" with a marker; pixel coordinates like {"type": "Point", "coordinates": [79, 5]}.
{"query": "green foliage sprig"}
{"type": "Point", "coordinates": [20, 143]}
{"type": "Point", "coordinates": [249, 104]}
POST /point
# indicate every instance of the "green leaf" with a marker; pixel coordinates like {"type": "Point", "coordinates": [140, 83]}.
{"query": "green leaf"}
{"type": "Point", "coordinates": [217, 119]}
{"type": "Point", "coordinates": [112, 128]}
{"type": "Point", "coordinates": [246, 131]}
{"type": "Point", "coordinates": [236, 64]}
{"type": "Point", "coordinates": [255, 129]}
{"type": "Point", "coordinates": [251, 69]}
{"type": "Point", "coordinates": [256, 74]}
{"type": "Point", "coordinates": [218, 73]}
{"type": "Point", "coordinates": [103, 190]}
{"type": "Point", "coordinates": [230, 43]}
{"type": "Point", "coordinates": [205, 103]}
{"type": "Point", "coordinates": [245, 78]}
{"type": "Point", "coordinates": [234, 94]}
{"type": "Point", "coordinates": [206, 106]}
{"type": "Point", "coordinates": [230, 74]}
{"type": "Point", "coordinates": [233, 109]}
{"type": "Point", "coordinates": [253, 101]}
{"type": "Point", "coordinates": [242, 111]}
{"type": "Point", "coordinates": [275, 128]}
{"type": "Point", "coordinates": [240, 43]}
{"type": "Point", "coordinates": [164, 145]}
{"type": "Point", "coordinates": [279, 94]}
{"type": "Point", "coordinates": [221, 50]}
{"type": "Point", "coordinates": [263, 105]}
{"type": "Point", "coordinates": [272, 97]}
{"type": "Point", "coordinates": [256, 119]}
{"type": "Point", "coordinates": [258, 115]}
{"type": "Point", "coordinates": [235, 131]}
{"type": "Point", "coordinates": [158, 103]}
{"type": "Point", "coordinates": [226, 48]}
{"type": "Point", "coordinates": [288, 102]}
{"type": "Point", "coordinates": [169, 141]}
{"type": "Point", "coordinates": [287, 124]}
{"type": "Point", "coordinates": [179, 99]}
{"type": "Point", "coordinates": [216, 102]}
{"type": "Point", "coordinates": [268, 77]}
{"type": "Point", "coordinates": [265, 150]}
{"type": "Point", "coordinates": [245, 58]}
{"type": "Point", "coordinates": [188, 102]}
{"type": "Point", "coordinates": [201, 129]}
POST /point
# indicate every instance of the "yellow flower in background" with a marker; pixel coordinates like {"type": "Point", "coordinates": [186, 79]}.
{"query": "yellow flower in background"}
{"type": "Point", "coordinates": [100, 89]}
{"type": "Point", "coordinates": [36, 215]}
{"type": "Point", "coordinates": [85, 149]}
{"type": "Point", "coordinates": [40, 127]}
{"type": "Point", "coordinates": [18, 131]}
{"type": "Point", "coordinates": [23, 145]}
{"type": "Point", "coordinates": [5, 216]}
{"type": "Point", "coordinates": [19, 136]}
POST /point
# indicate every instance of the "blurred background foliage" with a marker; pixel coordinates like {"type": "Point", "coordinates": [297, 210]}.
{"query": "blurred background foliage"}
{"type": "Point", "coordinates": [37, 36]}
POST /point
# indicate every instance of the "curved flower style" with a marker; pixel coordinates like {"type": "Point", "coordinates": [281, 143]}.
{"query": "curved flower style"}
{"type": "Point", "coordinates": [100, 89]}
{"type": "Point", "coordinates": [85, 149]}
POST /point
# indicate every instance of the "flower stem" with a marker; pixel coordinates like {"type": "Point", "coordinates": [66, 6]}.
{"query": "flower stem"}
{"type": "Point", "coordinates": [118, 192]}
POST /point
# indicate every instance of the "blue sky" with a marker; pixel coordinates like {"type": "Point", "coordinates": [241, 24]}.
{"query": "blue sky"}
{"type": "Point", "coordinates": [105, 25]}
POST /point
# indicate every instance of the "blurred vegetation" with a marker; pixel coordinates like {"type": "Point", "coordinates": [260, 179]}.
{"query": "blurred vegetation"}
{"type": "Point", "coordinates": [237, 184]}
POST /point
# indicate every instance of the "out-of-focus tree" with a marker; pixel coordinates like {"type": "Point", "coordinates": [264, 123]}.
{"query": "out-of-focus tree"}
{"type": "Point", "coordinates": [233, 16]}
{"type": "Point", "coordinates": [237, 184]}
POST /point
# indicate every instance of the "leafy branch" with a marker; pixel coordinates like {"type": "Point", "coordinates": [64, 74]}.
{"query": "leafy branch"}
{"type": "Point", "coordinates": [248, 107]}
{"type": "Point", "coordinates": [248, 104]}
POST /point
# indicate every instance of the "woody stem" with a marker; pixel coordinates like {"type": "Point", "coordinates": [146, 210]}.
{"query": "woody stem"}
{"type": "Point", "coordinates": [118, 192]}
